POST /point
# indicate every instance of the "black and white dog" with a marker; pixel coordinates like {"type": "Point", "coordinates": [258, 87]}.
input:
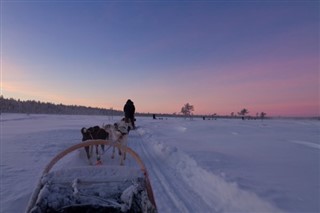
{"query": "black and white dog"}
{"type": "Point", "coordinates": [94, 133]}
{"type": "Point", "coordinates": [118, 133]}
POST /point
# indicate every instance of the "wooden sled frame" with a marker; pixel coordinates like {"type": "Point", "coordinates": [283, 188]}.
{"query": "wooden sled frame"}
{"type": "Point", "coordinates": [91, 143]}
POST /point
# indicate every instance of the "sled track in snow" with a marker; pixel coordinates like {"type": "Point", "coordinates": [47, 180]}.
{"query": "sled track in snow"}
{"type": "Point", "coordinates": [180, 185]}
{"type": "Point", "coordinates": [170, 188]}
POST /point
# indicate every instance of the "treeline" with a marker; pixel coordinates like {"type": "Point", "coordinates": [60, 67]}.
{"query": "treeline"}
{"type": "Point", "coordinates": [36, 107]}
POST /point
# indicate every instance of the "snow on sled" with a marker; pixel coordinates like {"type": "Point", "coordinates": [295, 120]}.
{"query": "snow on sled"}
{"type": "Point", "coordinates": [103, 188]}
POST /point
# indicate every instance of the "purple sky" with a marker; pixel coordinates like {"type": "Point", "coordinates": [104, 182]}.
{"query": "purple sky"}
{"type": "Point", "coordinates": [219, 56]}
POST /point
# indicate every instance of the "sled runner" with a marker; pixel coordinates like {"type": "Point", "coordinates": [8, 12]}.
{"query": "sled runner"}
{"type": "Point", "coordinates": [102, 188]}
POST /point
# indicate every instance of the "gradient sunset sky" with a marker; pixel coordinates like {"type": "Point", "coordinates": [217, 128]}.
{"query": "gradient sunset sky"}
{"type": "Point", "coordinates": [220, 56]}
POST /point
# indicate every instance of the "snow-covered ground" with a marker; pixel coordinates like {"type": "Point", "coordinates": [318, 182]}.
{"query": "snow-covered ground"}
{"type": "Point", "coordinates": [195, 165]}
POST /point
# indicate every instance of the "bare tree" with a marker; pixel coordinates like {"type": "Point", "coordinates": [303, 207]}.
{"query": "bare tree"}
{"type": "Point", "coordinates": [263, 115]}
{"type": "Point", "coordinates": [187, 109]}
{"type": "Point", "coordinates": [243, 113]}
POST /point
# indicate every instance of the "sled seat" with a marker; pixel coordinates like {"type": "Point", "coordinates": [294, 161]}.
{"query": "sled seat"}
{"type": "Point", "coordinates": [93, 189]}
{"type": "Point", "coordinates": [102, 188]}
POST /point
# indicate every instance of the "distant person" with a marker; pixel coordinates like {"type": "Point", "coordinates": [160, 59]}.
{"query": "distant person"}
{"type": "Point", "coordinates": [129, 111]}
{"type": "Point", "coordinates": [154, 116]}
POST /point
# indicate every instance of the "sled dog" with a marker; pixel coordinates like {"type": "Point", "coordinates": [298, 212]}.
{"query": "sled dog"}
{"type": "Point", "coordinates": [119, 134]}
{"type": "Point", "coordinates": [93, 133]}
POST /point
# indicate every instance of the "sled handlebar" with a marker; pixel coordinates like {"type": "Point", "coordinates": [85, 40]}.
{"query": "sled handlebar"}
{"type": "Point", "coordinates": [91, 143]}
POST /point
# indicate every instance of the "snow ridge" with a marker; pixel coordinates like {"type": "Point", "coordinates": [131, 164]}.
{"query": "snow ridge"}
{"type": "Point", "coordinates": [209, 190]}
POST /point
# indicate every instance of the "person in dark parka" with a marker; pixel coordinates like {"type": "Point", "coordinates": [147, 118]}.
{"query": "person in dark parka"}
{"type": "Point", "coordinates": [129, 110]}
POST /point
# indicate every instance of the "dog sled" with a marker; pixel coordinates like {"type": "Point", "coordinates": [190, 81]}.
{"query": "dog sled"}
{"type": "Point", "coordinates": [103, 188]}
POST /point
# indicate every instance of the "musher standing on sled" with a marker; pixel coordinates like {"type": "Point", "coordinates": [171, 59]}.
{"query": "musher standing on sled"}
{"type": "Point", "coordinates": [129, 111]}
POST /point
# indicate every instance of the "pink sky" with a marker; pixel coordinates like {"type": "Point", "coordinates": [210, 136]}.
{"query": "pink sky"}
{"type": "Point", "coordinates": [219, 57]}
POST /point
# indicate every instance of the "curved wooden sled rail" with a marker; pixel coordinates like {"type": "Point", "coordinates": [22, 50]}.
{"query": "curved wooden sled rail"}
{"type": "Point", "coordinates": [91, 143]}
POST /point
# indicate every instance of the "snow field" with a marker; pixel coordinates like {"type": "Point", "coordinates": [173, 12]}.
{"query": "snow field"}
{"type": "Point", "coordinates": [194, 165]}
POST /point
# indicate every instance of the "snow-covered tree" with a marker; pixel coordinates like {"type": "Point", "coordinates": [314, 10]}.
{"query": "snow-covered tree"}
{"type": "Point", "coordinates": [187, 109]}
{"type": "Point", "coordinates": [243, 113]}
{"type": "Point", "coordinates": [263, 115]}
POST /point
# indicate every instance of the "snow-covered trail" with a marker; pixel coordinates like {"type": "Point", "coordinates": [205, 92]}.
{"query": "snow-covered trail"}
{"type": "Point", "coordinates": [166, 181]}
{"type": "Point", "coordinates": [181, 185]}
